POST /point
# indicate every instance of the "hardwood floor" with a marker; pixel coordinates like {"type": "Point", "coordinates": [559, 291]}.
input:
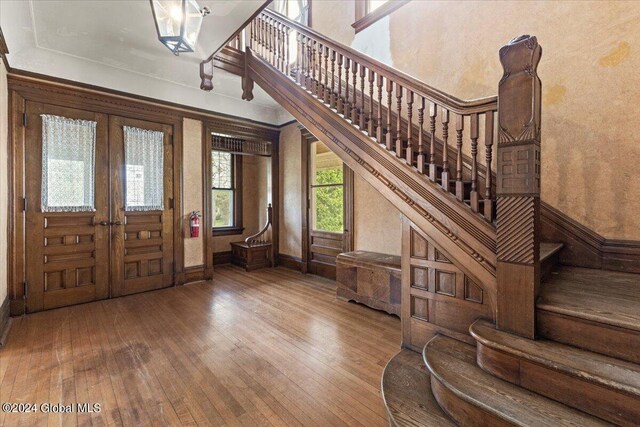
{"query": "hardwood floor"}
{"type": "Point", "coordinates": [271, 347]}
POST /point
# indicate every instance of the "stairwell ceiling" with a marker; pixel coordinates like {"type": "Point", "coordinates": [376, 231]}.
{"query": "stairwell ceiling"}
{"type": "Point", "coordinates": [113, 44]}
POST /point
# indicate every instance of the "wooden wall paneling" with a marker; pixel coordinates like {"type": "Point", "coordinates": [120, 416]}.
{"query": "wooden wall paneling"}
{"type": "Point", "coordinates": [15, 250]}
{"type": "Point", "coordinates": [207, 213]}
{"type": "Point", "coordinates": [349, 192]}
{"type": "Point", "coordinates": [178, 226]}
{"type": "Point", "coordinates": [305, 141]}
{"type": "Point", "coordinates": [275, 199]}
{"type": "Point", "coordinates": [438, 295]}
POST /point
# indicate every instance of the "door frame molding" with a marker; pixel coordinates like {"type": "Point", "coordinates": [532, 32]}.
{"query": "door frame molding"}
{"type": "Point", "coordinates": [22, 90]}
{"type": "Point", "coordinates": [306, 138]}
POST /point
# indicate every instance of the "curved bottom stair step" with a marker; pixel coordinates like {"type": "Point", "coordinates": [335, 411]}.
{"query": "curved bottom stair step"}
{"type": "Point", "coordinates": [473, 397]}
{"type": "Point", "coordinates": [407, 394]}
{"type": "Point", "coordinates": [603, 386]}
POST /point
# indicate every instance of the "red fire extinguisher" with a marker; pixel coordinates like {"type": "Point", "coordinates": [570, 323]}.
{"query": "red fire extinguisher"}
{"type": "Point", "coordinates": [194, 223]}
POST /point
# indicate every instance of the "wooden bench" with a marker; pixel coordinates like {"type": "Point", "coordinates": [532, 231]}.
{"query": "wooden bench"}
{"type": "Point", "coordinates": [251, 256]}
{"type": "Point", "coordinates": [370, 278]}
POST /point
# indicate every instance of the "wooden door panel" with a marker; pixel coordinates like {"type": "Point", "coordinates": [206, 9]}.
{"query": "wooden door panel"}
{"type": "Point", "coordinates": [142, 241]}
{"type": "Point", "coordinates": [67, 253]}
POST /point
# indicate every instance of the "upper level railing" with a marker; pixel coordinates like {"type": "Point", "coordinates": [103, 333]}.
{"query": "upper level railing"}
{"type": "Point", "coordinates": [383, 102]}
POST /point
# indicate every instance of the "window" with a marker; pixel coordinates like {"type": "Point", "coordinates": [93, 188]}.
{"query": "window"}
{"type": "Point", "coordinates": [68, 164]}
{"type": "Point", "coordinates": [370, 11]}
{"type": "Point", "coordinates": [144, 171]}
{"type": "Point", "coordinates": [296, 10]}
{"type": "Point", "coordinates": [327, 189]}
{"type": "Point", "coordinates": [226, 192]}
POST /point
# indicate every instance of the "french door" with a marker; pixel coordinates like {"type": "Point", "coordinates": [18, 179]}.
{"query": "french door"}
{"type": "Point", "coordinates": [98, 223]}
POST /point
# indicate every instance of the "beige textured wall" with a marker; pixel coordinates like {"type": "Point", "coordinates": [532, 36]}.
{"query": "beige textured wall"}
{"type": "Point", "coordinates": [4, 166]}
{"type": "Point", "coordinates": [192, 188]}
{"type": "Point", "coordinates": [290, 201]}
{"type": "Point", "coordinates": [589, 71]}
{"type": "Point", "coordinates": [377, 223]}
{"type": "Point", "coordinates": [254, 195]}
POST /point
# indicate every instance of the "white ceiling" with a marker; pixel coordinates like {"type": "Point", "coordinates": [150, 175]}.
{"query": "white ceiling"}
{"type": "Point", "coordinates": [113, 44]}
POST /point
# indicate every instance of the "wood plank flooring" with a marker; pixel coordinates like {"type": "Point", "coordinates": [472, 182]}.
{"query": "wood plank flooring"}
{"type": "Point", "coordinates": [271, 347]}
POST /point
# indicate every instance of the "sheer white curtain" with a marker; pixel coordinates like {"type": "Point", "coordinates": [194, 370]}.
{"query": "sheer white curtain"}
{"type": "Point", "coordinates": [144, 158]}
{"type": "Point", "coordinates": [68, 164]}
{"type": "Point", "coordinates": [296, 10]}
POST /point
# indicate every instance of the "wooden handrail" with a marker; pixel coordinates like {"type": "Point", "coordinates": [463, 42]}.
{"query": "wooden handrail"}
{"type": "Point", "coordinates": [450, 102]}
{"type": "Point", "coordinates": [254, 237]}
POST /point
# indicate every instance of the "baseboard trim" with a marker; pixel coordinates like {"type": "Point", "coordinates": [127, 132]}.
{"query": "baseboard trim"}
{"type": "Point", "coordinates": [289, 261]}
{"type": "Point", "coordinates": [5, 321]}
{"type": "Point", "coordinates": [586, 248]}
{"type": "Point", "coordinates": [194, 273]}
{"type": "Point", "coordinates": [221, 258]}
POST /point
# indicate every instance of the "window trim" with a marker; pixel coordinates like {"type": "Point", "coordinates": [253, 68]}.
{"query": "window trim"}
{"type": "Point", "coordinates": [236, 172]}
{"type": "Point", "coordinates": [364, 18]}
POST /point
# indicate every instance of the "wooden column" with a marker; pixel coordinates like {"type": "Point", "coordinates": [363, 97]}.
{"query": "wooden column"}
{"type": "Point", "coordinates": [518, 186]}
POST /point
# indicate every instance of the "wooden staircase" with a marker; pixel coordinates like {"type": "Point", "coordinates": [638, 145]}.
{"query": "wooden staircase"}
{"type": "Point", "coordinates": [553, 346]}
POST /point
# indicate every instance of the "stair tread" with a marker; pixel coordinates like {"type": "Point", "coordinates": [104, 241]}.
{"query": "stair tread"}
{"type": "Point", "coordinates": [407, 394]}
{"type": "Point", "coordinates": [453, 363]}
{"type": "Point", "coordinates": [548, 249]}
{"type": "Point", "coordinates": [604, 370]}
{"type": "Point", "coordinates": [602, 296]}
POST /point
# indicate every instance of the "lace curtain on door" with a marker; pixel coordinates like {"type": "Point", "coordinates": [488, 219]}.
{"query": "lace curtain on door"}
{"type": "Point", "coordinates": [144, 158]}
{"type": "Point", "coordinates": [68, 164]}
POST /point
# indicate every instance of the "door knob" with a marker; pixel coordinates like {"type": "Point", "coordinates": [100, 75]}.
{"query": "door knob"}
{"type": "Point", "coordinates": [104, 223]}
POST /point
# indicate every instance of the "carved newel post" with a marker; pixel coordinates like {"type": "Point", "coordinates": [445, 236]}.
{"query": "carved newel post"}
{"type": "Point", "coordinates": [518, 186]}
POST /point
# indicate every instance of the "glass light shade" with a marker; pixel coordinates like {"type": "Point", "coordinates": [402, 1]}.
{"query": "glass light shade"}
{"type": "Point", "coordinates": [178, 23]}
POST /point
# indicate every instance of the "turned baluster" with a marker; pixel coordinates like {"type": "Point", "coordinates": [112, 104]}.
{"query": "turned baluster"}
{"type": "Point", "coordinates": [363, 72]}
{"type": "Point", "coordinates": [309, 65]}
{"type": "Point", "coordinates": [274, 41]}
{"type": "Point", "coordinates": [314, 82]}
{"type": "Point", "coordinates": [409, 151]}
{"type": "Point", "coordinates": [371, 127]}
{"type": "Point", "coordinates": [433, 167]}
{"type": "Point", "coordinates": [445, 149]}
{"type": "Point", "coordinates": [283, 52]}
{"type": "Point", "coordinates": [488, 142]}
{"type": "Point", "coordinates": [421, 160]}
{"type": "Point", "coordinates": [354, 104]}
{"type": "Point", "coordinates": [287, 52]}
{"type": "Point", "coordinates": [318, 58]}
{"type": "Point", "coordinates": [459, 183]}
{"type": "Point", "coordinates": [269, 44]}
{"type": "Point", "coordinates": [300, 58]}
{"type": "Point", "coordinates": [332, 95]}
{"type": "Point", "coordinates": [474, 162]}
{"type": "Point", "coordinates": [399, 121]}
{"type": "Point", "coordinates": [389, 140]}
{"type": "Point", "coordinates": [379, 82]}
{"type": "Point", "coordinates": [278, 39]}
{"type": "Point", "coordinates": [260, 37]}
{"type": "Point", "coordinates": [339, 100]}
{"type": "Point", "coordinates": [347, 104]}
{"type": "Point", "coordinates": [326, 92]}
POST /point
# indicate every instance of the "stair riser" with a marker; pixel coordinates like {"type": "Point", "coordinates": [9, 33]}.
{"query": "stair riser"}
{"type": "Point", "coordinates": [604, 339]}
{"type": "Point", "coordinates": [462, 412]}
{"type": "Point", "coordinates": [579, 393]}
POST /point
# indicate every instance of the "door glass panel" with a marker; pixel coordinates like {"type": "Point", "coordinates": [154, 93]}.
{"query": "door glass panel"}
{"type": "Point", "coordinates": [68, 164]}
{"type": "Point", "coordinates": [144, 158]}
{"type": "Point", "coordinates": [327, 201]}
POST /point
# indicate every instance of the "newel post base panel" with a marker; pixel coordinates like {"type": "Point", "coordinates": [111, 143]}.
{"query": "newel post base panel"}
{"type": "Point", "coordinates": [518, 187]}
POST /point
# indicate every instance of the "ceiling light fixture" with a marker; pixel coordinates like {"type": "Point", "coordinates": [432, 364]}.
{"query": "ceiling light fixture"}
{"type": "Point", "coordinates": [178, 23]}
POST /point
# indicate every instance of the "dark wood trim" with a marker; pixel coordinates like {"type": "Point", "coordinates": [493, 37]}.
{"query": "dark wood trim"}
{"type": "Point", "coordinates": [178, 192]}
{"type": "Point", "coordinates": [242, 27]}
{"type": "Point", "coordinates": [234, 123]}
{"type": "Point", "coordinates": [275, 198]}
{"type": "Point", "coordinates": [220, 258]}
{"type": "Point", "coordinates": [207, 213]}
{"type": "Point", "coordinates": [5, 321]}
{"type": "Point", "coordinates": [365, 18]}
{"type": "Point", "coordinates": [226, 231]}
{"type": "Point", "coordinates": [195, 273]}
{"type": "Point", "coordinates": [349, 192]}
{"type": "Point", "coordinates": [305, 140]}
{"type": "Point", "coordinates": [290, 122]}
{"type": "Point", "coordinates": [586, 248]}
{"type": "Point", "coordinates": [4, 50]}
{"type": "Point", "coordinates": [291, 262]}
